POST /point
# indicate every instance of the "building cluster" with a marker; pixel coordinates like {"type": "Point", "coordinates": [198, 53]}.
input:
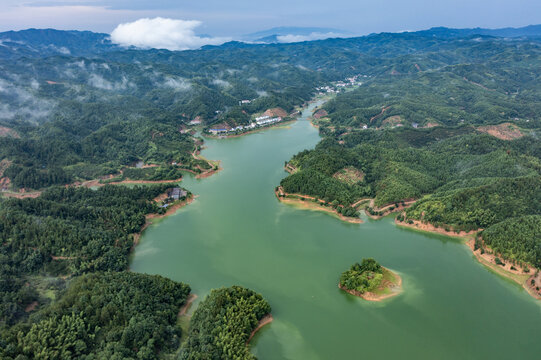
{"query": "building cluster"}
{"type": "Point", "coordinates": [350, 81]}
{"type": "Point", "coordinates": [259, 121]}
{"type": "Point", "coordinates": [265, 120]}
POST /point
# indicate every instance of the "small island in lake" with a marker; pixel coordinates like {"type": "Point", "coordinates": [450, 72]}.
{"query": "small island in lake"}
{"type": "Point", "coordinates": [371, 281]}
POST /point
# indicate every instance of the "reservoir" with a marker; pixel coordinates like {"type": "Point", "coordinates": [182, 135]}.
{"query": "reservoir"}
{"type": "Point", "coordinates": [237, 233]}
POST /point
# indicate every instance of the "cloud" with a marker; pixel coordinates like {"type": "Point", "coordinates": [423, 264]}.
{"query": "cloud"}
{"type": "Point", "coordinates": [313, 36]}
{"type": "Point", "coordinates": [221, 83]}
{"type": "Point", "coordinates": [177, 84]}
{"type": "Point", "coordinates": [99, 82]}
{"type": "Point", "coordinates": [16, 101]}
{"type": "Point", "coordinates": [162, 33]}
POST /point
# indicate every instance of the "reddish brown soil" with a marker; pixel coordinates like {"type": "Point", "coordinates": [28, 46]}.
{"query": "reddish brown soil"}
{"type": "Point", "coordinates": [31, 307]}
{"type": "Point", "coordinates": [477, 84]}
{"type": "Point", "coordinates": [170, 211]}
{"type": "Point", "coordinates": [290, 168]}
{"type": "Point", "coordinates": [309, 204]}
{"type": "Point", "coordinates": [392, 120]}
{"type": "Point", "coordinates": [380, 114]}
{"type": "Point", "coordinates": [184, 309]}
{"type": "Point", "coordinates": [505, 131]}
{"type": "Point", "coordinates": [5, 132]}
{"type": "Point", "coordinates": [275, 112]}
{"type": "Point", "coordinates": [63, 257]}
{"type": "Point", "coordinates": [431, 228]}
{"type": "Point", "coordinates": [533, 288]}
{"type": "Point", "coordinates": [489, 257]}
{"type": "Point", "coordinates": [320, 113]}
{"type": "Point", "coordinates": [387, 208]}
{"type": "Point", "coordinates": [267, 319]}
{"type": "Point", "coordinates": [22, 195]}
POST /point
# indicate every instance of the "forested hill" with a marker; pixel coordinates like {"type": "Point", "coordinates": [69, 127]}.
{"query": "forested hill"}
{"type": "Point", "coordinates": [461, 139]}
{"type": "Point", "coordinates": [76, 115]}
{"type": "Point", "coordinates": [451, 117]}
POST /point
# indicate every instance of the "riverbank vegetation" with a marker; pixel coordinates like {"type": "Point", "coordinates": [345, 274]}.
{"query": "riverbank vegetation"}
{"type": "Point", "coordinates": [370, 280]}
{"type": "Point", "coordinates": [223, 323]}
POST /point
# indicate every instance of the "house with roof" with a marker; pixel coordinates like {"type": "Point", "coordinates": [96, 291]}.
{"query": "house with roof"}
{"type": "Point", "coordinates": [177, 193]}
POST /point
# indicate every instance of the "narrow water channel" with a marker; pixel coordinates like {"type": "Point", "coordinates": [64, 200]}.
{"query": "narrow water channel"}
{"type": "Point", "coordinates": [237, 233]}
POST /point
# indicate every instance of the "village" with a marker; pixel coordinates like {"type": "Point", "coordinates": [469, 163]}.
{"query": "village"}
{"type": "Point", "coordinates": [259, 122]}
{"type": "Point", "coordinates": [336, 87]}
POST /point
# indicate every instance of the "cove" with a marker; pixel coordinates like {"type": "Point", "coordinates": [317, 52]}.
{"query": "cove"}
{"type": "Point", "coordinates": [237, 233]}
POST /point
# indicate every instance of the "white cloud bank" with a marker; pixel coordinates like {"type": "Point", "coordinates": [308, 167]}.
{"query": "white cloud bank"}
{"type": "Point", "coordinates": [162, 33]}
{"type": "Point", "coordinates": [313, 36]}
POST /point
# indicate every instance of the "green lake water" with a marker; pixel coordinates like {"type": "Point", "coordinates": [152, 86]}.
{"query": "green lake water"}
{"type": "Point", "coordinates": [237, 233]}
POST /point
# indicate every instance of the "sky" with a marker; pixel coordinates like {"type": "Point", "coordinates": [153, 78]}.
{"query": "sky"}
{"type": "Point", "coordinates": [230, 18]}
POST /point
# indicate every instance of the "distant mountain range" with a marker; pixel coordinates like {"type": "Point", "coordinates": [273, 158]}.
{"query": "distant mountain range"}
{"type": "Point", "coordinates": [47, 42]}
{"type": "Point", "coordinates": [443, 32]}
{"type": "Point", "coordinates": [273, 35]}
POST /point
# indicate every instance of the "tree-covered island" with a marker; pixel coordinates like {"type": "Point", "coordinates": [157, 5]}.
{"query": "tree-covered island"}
{"type": "Point", "coordinates": [370, 281]}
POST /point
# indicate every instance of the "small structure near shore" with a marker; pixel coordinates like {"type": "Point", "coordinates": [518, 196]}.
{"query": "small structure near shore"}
{"type": "Point", "coordinates": [370, 281]}
{"type": "Point", "coordinates": [177, 193]}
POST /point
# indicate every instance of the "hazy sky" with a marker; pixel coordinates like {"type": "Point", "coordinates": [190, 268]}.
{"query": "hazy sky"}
{"type": "Point", "coordinates": [234, 17]}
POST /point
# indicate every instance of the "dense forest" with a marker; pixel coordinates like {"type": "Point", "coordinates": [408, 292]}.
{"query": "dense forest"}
{"type": "Point", "coordinates": [364, 277]}
{"type": "Point", "coordinates": [91, 114]}
{"type": "Point", "coordinates": [110, 315]}
{"type": "Point", "coordinates": [430, 102]}
{"type": "Point", "coordinates": [222, 324]}
{"type": "Point", "coordinates": [65, 232]}
{"type": "Point", "coordinates": [464, 179]}
{"type": "Point", "coordinates": [516, 239]}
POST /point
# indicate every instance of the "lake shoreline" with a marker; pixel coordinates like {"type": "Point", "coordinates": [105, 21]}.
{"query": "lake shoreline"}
{"type": "Point", "coordinates": [487, 260]}
{"type": "Point", "coordinates": [310, 205]}
{"type": "Point", "coordinates": [267, 319]}
{"type": "Point", "coordinates": [520, 277]}
{"type": "Point", "coordinates": [274, 126]}
{"type": "Point", "coordinates": [170, 211]}
{"type": "Point", "coordinates": [403, 205]}
{"type": "Point", "coordinates": [427, 227]}
{"type": "Point", "coordinates": [184, 308]}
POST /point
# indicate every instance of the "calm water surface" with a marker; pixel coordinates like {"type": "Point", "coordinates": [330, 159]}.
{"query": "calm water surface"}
{"type": "Point", "coordinates": [237, 233]}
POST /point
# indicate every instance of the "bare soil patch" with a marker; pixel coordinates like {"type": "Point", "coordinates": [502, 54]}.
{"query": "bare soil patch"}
{"type": "Point", "coordinates": [431, 228]}
{"type": "Point", "coordinates": [274, 112]}
{"type": "Point", "coordinates": [320, 114]}
{"type": "Point", "coordinates": [308, 203]}
{"type": "Point", "coordinates": [290, 168]}
{"type": "Point", "coordinates": [505, 131]}
{"type": "Point", "coordinates": [380, 114]}
{"type": "Point", "coordinates": [5, 132]}
{"type": "Point", "coordinates": [390, 208]}
{"type": "Point", "coordinates": [267, 319]}
{"type": "Point", "coordinates": [31, 307]}
{"type": "Point", "coordinates": [509, 270]}
{"type": "Point", "coordinates": [349, 175]}
{"type": "Point", "coordinates": [392, 120]}
{"type": "Point", "coordinates": [184, 309]}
